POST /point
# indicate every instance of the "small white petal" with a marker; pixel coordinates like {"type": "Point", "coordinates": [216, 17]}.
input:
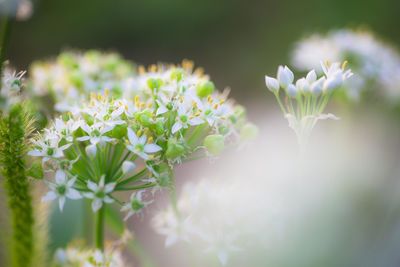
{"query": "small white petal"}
{"type": "Point", "coordinates": [35, 153]}
{"type": "Point", "coordinates": [133, 139]}
{"type": "Point", "coordinates": [176, 127]}
{"type": "Point", "coordinates": [97, 204]}
{"type": "Point", "coordinates": [92, 186]}
{"type": "Point", "coordinates": [50, 196]}
{"type": "Point", "coordinates": [108, 199]}
{"type": "Point", "coordinates": [151, 148]}
{"type": "Point", "coordinates": [109, 187]}
{"type": "Point", "coordinates": [61, 202]}
{"type": "Point", "coordinates": [196, 121]}
{"type": "Point", "coordinates": [60, 177]}
{"type": "Point", "coordinates": [73, 194]}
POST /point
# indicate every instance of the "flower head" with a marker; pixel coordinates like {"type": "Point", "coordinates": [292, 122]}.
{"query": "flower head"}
{"type": "Point", "coordinates": [62, 189]}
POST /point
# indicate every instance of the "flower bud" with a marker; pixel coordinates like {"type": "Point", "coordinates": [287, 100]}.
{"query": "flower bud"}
{"type": "Point", "coordinates": [303, 85]}
{"type": "Point", "coordinates": [214, 143]}
{"type": "Point", "coordinates": [291, 90]}
{"type": "Point", "coordinates": [249, 131]}
{"type": "Point", "coordinates": [144, 118]}
{"type": "Point", "coordinates": [285, 76]}
{"type": "Point", "coordinates": [153, 83]}
{"type": "Point", "coordinates": [91, 150]}
{"type": "Point", "coordinates": [204, 89]}
{"type": "Point", "coordinates": [316, 87]}
{"type": "Point", "coordinates": [311, 76]}
{"type": "Point", "coordinates": [174, 149]}
{"type": "Point", "coordinates": [272, 84]}
{"type": "Point", "coordinates": [177, 74]}
{"type": "Point", "coordinates": [128, 166]}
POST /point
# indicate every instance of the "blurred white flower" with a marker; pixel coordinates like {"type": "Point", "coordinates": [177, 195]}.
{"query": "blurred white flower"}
{"type": "Point", "coordinates": [61, 189]}
{"type": "Point", "coordinates": [99, 193]}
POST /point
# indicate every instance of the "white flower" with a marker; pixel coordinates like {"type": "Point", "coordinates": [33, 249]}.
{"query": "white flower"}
{"type": "Point", "coordinates": [285, 76]}
{"type": "Point", "coordinates": [185, 118]}
{"type": "Point", "coordinates": [272, 84]}
{"type": "Point", "coordinates": [62, 189]}
{"type": "Point", "coordinates": [99, 193]}
{"type": "Point", "coordinates": [135, 205]}
{"type": "Point", "coordinates": [303, 85]}
{"type": "Point", "coordinates": [66, 128]}
{"type": "Point", "coordinates": [48, 148]}
{"type": "Point", "coordinates": [96, 134]}
{"type": "Point", "coordinates": [139, 146]}
{"type": "Point", "coordinates": [291, 90]}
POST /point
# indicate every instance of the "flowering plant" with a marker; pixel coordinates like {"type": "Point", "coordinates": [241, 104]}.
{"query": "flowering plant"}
{"type": "Point", "coordinates": [375, 62]}
{"type": "Point", "coordinates": [109, 144]}
{"type": "Point", "coordinates": [303, 103]}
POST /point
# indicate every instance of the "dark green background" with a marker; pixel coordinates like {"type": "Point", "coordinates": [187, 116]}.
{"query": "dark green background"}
{"type": "Point", "coordinates": [236, 41]}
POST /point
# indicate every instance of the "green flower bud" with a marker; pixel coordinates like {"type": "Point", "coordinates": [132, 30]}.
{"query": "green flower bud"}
{"type": "Point", "coordinates": [153, 83]}
{"type": "Point", "coordinates": [177, 74]}
{"type": "Point", "coordinates": [145, 118]}
{"type": "Point", "coordinates": [159, 128]}
{"type": "Point", "coordinates": [249, 131]}
{"type": "Point", "coordinates": [119, 131]}
{"type": "Point", "coordinates": [174, 149]}
{"type": "Point", "coordinates": [204, 89]}
{"type": "Point", "coordinates": [214, 143]}
{"type": "Point", "coordinates": [76, 79]}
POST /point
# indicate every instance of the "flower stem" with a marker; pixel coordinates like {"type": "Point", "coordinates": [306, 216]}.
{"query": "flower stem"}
{"type": "Point", "coordinates": [99, 229]}
{"type": "Point", "coordinates": [14, 131]}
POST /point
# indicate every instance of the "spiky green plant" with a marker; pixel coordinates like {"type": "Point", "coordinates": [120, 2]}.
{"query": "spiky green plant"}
{"type": "Point", "coordinates": [15, 127]}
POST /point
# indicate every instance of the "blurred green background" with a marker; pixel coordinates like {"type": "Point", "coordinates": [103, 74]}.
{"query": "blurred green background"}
{"type": "Point", "coordinates": [236, 41]}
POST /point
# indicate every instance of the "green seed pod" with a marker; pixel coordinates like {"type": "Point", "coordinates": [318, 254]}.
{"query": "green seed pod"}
{"type": "Point", "coordinates": [145, 118]}
{"type": "Point", "coordinates": [204, 89]}
{"type": "Point", "coordinates": [214, 143]}
{"type": "Point", "coordinates": [154, 83]}
{"type": "Point", "coordinates": [177, 74]}
{"type": "Point", "coordinates": [174, 149]}
{"type": "Point", "coordinates": [119, 131]}
{"type": "Point", "coordinates": [249, 131]}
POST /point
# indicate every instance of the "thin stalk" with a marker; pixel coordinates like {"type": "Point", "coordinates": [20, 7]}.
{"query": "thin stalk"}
{"type": "Point", "coordinates": [280, 103]}
{"type": "Point", "coordinates": [99, 229]}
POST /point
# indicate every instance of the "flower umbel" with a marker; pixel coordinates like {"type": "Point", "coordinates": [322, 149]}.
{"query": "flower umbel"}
{"type": "Point", "coordinates": [303, 103]}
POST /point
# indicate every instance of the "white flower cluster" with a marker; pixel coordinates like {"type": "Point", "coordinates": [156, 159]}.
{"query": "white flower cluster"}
{"type": "Point", "coordinates": [77, 257]}
{"type": "Point", "coordinates": [10, 90]}
{"type": "Point", "coordinates": [376, 64]}
{"type": "Point", "coordinates": [71, 77]}
{"type": "Point", "coordinates": [306, 99]}
{"type": "Point", "coordinates": [111, 144]}
{"type": "Point", "coordinates": [214, 230]}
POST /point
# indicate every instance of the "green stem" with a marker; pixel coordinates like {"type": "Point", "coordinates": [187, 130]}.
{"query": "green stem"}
{"type": "Point", "coordinates": [4, 40]}
{"type": "Point", "coordinates": [99, 228]}
{"type": "Point", "coordinates": [14, 131]}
